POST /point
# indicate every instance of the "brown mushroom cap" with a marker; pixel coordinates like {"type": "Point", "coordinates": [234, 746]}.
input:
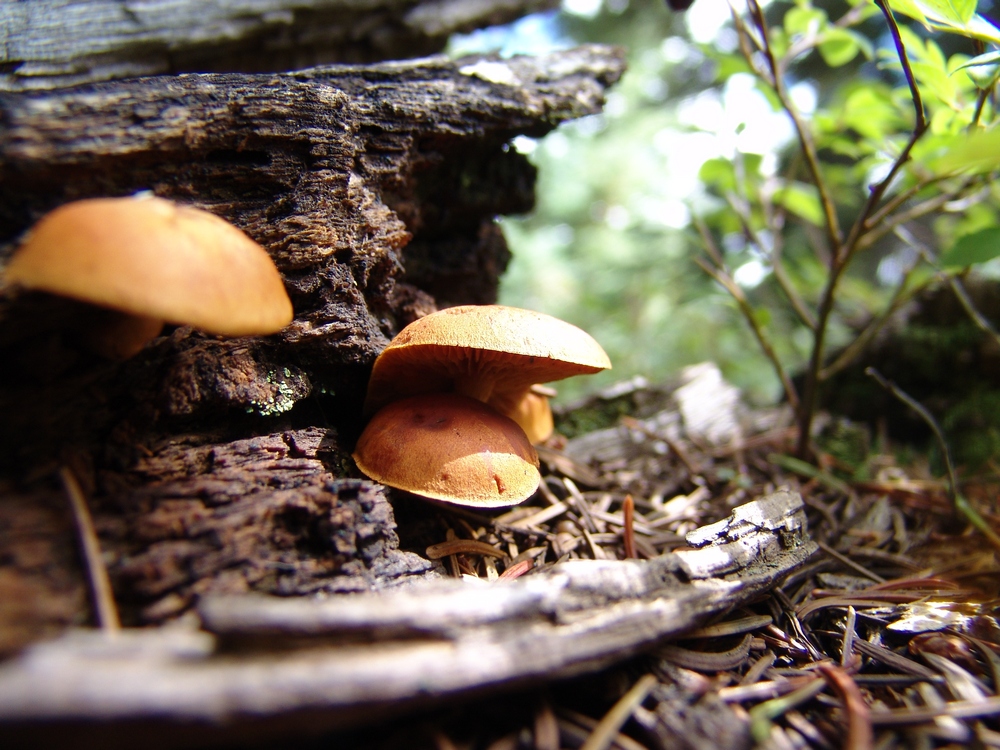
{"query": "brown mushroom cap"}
{"type": "Point", "coordinates": [490, 352]}
{"type": "Point", "coordinates": [451, 448]}
{"type": "Point", "coordinates": [151, 257]}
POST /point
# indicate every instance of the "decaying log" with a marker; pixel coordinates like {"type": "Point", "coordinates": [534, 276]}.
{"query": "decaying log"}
{"type": "Point", "coordinates": [347, 175]}
{"type": "Point", "coordinates": [47, 44]}
{"type": "Point", "coordinates": [315, 665]}
{"type": "Point", "coordinates": [197, 516]}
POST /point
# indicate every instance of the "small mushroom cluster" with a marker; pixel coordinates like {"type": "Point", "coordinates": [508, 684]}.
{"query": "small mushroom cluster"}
{"type": "Point", "coordinates": [148, 261]}
{"type": "Point", "coordinates": [455, 396]}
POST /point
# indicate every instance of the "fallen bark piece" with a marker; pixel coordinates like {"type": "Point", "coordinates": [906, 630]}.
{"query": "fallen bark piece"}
{"type": "Point", "coordinates": [327, 664]}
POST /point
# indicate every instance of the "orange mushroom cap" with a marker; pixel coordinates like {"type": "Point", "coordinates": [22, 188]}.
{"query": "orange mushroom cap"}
{"type": "Point", "coordinates": [492, 353]}
{"type": "Point", "coordinates": [151, 257]}
{"type": "Point", "coordinates": [449, 447]}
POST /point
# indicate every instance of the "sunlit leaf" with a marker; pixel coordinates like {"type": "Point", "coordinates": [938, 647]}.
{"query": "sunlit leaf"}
{"type": "Point", "coordinates": [936, 80]}
{"type": "Point", "coordinates": [954, 16]}
{"type": "Point", "coordinates": [908, 8]}
{"type": "Point", "coordinates": [956, 11]}
{"type": "Point", "coordinates": [988, 58]}
{"type": "Point", "coordinates": [976, 153]}
{"type": "Point", "coordinates": [871, 113]}
{"type": "Point", "coordinates": [751, 163]}
{"type": "Point", "coordinates": [802, 200]}
{"type": "Point", "coordinates": [984, 70]}
{"type": "Point", "coordinates": [804, 21]}
{"type": "Point", "coordinates": [839, 47]}
{"type": "Point", "coordinates": [718, 173]}
{"type": "Point", "coordinates": [971, 249]}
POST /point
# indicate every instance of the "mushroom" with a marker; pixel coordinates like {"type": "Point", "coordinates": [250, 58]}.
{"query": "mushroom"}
{"type": "Point", "coordinates": [492, 353]}
{"type": "Point", "coordinates": [449, 447]}
{"type": "Point", "coordinates": [153, 261]}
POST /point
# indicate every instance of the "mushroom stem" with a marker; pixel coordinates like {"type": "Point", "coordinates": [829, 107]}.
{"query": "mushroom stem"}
{"type": "Point", "coordinates": [118, 335]}
{"type": "Point", "coordinates": [480, 389]}
{"type": "Point", "coordinates": [529, 408]}
{"type": "Point", "coordinates": [506, 402]}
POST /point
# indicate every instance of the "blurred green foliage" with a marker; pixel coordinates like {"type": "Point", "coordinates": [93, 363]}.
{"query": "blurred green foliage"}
{"type": "Point", "coordinates": [784, 151]}
{"type": "Point", "coordinates": [608, 246]}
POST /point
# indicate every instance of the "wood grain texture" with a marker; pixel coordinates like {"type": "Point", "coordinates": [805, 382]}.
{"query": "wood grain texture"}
{"type": "Point", "coordinates": [46, 44]}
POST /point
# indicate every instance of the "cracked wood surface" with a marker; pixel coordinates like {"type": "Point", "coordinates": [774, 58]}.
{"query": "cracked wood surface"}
{"type": "Point", "coordinates": [270, 663]}
{"type": "Point", "coordinates": [47, 44]}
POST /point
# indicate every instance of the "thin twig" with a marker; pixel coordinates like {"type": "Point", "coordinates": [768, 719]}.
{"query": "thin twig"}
{"type": "Point", "coordinates": [960, 504]}
{"type": "Point", "coordinates": [919, 128]}
{"type": "Point", "coordinates": [849, 563]}
{"type": "Point", "coordinates": [628, 530]}
{"type": "Point", "coordinates": [980, 320]}
{"type": "Point", "coordinates": [852, 351]}
{"type": "Point", "coordinates": [918, 211]}
{"type": "Point", "coordinates": [777, 267]}
{"type": "Point", "coordinates": [844, 252]}
{"type": "Point", "coordinates": [859, 721]}
{"type": "Point", "coordinates": [720, 275]}
{"type": "Point", "coordinates": [100, 584]}
{"type": "Point", "coordinates": [834, 236]}
{"type": "Point", "coordinates": [902, 197]}
{"type": "Point", "coordinates": [607, 728]}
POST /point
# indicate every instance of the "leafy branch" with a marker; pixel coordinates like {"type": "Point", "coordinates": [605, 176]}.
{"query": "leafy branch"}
{"type": "Point", "coordinates": [890, 203]}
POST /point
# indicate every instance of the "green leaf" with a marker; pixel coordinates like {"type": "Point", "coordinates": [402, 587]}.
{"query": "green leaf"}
{"type": "Point", "coordinates": [985, 76]}
{"type": "Point", "coordinates": [959, 12]}
{"type": "Point", "coordinates": [984, 70]}
{"type": "Point", "coordinates": [971, 249]}
{"type": "Point", "coordinates": [838, 47]}
{"type": "Point", "coordinates": [988, 58]}
{"type": "Point", "coordinates": [718, 173]}
{"type": "Point", "coordinates": [870, 112]}
{"type": "Point", "coordinates": [802, 200]}
{"type": "Point", "coordinates": [804, 21]}
{"type": "Point", "coordinates": [909, 8]}
{"type": "Point", "coordinates": [937, 81]}
{"type": "Point", "coordinates": [956, 16]}
{"type": "Point", "coordinates": [977, 152]}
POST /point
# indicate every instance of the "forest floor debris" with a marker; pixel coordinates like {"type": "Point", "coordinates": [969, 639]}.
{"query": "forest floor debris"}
{"type": "Point", "coordinates": [885, 638]}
